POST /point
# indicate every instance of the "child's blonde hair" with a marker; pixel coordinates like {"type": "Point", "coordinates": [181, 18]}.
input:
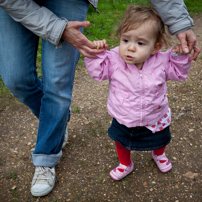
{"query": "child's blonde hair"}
{"type": "Point", "coordinates": [137, 15]}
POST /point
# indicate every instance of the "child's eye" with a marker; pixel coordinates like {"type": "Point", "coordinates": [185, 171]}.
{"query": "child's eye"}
{"type": "Point", "coordinates": [140, 43]}
{"type": "Point", "coordinates": [125, 40]}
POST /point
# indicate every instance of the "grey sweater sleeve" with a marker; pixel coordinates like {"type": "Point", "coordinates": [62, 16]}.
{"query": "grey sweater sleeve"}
{"type": "Point", "coordinates": [174, 14]}
{"type": "Point", "coordinates": [37, 19]}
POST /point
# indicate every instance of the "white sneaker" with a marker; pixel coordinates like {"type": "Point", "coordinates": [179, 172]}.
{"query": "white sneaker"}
{"type": "Point", "coordinates": [43, 181]}
{"type": "Point", "coordinates": [65, 138]}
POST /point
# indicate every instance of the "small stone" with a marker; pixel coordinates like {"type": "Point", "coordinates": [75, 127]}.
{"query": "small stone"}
{"type": "Point", "coordinates": [145, 183]}
{"type": "Point", "coordinates": [191, 175]}
{"type": "Point", "coordinates": [14, 187]}
{"type": "Point", "coordinates": [32, 149]}
{"type": "Point", "coordinates": [191, 130]}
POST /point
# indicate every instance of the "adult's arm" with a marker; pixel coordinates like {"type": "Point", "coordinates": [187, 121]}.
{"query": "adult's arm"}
{"type": "Point", "coordinates": [175, 15]}
{"type": "Point", "coordinates": [37, 19]}
{"type": "Point", "coordinates": [47, 25]}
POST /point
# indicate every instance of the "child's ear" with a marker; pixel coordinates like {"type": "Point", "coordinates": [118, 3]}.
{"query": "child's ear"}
{"type": "Point", "coordinates": [157, 47]}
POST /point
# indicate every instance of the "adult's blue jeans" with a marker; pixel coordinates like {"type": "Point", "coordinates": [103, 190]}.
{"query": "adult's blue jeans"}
{"type": "Point", "coordinates": [50, 98]}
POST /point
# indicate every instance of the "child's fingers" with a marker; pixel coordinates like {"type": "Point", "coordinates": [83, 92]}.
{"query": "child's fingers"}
{"type": "Point", "coordinates": [100, 44]}
{"type": "Point", "coordinates": [178, 49]}
{"type": "Point", "coordinates": [95, 43]}
{"type": "Point", "coordinates": [175, 49]}
{"type": "Point", "coordinates": [104, 44]}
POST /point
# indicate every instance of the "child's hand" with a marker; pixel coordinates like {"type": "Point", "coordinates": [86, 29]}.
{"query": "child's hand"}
{"type": "Point", "coordinates": [101, 44]}
{"type": "Point", "coordinates": [178, 49]}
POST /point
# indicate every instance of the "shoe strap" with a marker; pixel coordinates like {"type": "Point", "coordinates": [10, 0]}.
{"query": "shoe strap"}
{"type": "Point", "coordinates": [161, 157]}
{"type": "Point", "coordinates": [121, 166]}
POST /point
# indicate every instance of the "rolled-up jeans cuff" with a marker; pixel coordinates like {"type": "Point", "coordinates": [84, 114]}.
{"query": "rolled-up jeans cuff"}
{"type": "Point", "coordinates": [46, 160]}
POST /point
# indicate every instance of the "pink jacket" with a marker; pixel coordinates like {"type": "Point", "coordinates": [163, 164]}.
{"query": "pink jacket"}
{"type": "Point", "coordinates": [138, 97]}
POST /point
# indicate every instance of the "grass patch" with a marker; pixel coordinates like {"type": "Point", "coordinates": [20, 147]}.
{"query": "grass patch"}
{"type": "Point", "coordinates": [97, 128]}
{"type": "Point", "coordinates": [76, 110]}
{"type": "Point", "coordinates": [15, 193]}
{"type": "Point", "coordinates": [3, 90]}
{"type": "Point", "coordinates": [11, 175]}
{"type": "Point", "coordinates": [193, 6]}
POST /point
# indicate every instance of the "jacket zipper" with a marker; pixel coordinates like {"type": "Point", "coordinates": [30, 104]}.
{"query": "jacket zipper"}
{"type": "Point", "coordinates": [141, 97]}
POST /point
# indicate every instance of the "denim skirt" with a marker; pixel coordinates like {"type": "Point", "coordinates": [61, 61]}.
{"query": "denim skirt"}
{"type": "Point", "coordinates": [138, 138]}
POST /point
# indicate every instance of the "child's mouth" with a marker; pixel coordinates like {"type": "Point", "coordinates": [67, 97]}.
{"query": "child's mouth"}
{"type": "Point", "coordinates": [128, 57]}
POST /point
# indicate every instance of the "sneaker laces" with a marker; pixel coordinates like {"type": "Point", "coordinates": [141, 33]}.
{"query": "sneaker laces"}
{"type": "Point", "coordinates": [44, 175]}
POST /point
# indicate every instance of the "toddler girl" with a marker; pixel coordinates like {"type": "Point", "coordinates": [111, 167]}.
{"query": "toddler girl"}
{"type": "Point", "coordinates": [137, 71]}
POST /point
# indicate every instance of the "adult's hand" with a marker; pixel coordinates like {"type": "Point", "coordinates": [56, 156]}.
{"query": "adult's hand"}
{"type": "Point", "coordinates": [73, 36]}
{"type": "Point", "coordinates": [188, 43]}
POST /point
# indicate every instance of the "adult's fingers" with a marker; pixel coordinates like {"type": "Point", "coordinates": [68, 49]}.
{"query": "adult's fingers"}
{"type": "Point", "coordinates": [183, 41]}
{"type": "Point", "coordinates": [197, 50]}
{"type": "Point", "coordinates": [89, 52]}
{"type": "Point", "coordinates": [77, 25]}
{"type": "Point", "coordinates": [188, 39]}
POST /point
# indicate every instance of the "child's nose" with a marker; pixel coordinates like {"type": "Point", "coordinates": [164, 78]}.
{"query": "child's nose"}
{"type": "Point", "coordinates": [132, 47]}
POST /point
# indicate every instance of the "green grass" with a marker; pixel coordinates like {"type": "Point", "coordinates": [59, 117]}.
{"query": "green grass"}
{"type": "Point", "coordinates": [193, 6]}
{"type": "Point", "coordinates": [3, 90]}
{"type": "Point", "coordinates": [11, 175]}
{"type": "Point", "coordinates": [103, 26]}
{"type": "Point", "coordinates": [76, 110]}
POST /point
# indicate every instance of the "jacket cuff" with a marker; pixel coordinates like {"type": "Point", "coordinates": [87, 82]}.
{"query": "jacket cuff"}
{"type": "Point", "coordinates": [181, 26]}
{"type": "Point", "coordinates": [177, 57]}
{"type": "Point", "coordinates": [56, 34]}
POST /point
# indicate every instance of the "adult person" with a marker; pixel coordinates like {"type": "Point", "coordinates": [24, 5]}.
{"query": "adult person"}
{"type": "Point", "coordinates": [60, 25]}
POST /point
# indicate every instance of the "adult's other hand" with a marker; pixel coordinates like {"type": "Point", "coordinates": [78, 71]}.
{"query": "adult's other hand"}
{"type": "Point", "coordinates": [188, 43]}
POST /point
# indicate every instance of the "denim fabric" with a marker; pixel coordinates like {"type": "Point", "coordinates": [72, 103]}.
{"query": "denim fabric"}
{"type": "Point", "coordinates": [50, 98]}
{"type": "Point", "coordinates": [138, 138]}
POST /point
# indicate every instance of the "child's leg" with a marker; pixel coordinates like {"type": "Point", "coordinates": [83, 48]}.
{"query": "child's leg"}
{"type": "Point", "coordinates": [159, 152]}
{"type": "Point", "coordinates": [126, 165]}
{"type": "Point", "coordinates": [123, 154]}
{"type": "Point", "coordinates": [161, 160]}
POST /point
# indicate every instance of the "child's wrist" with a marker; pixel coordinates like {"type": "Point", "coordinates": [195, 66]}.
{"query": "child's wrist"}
{"type": "Point", "coordinates": [175, 54]}
{"type": "Point", "coordinates": [178, 57]}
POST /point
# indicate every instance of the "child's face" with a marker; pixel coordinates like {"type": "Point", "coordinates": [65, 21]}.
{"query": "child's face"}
{"type": "Point", "coordinates": [138, 44]}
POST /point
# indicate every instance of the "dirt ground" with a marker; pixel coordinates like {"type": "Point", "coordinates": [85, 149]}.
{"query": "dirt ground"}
{"type": "Point", "coordinates": [83, 171]}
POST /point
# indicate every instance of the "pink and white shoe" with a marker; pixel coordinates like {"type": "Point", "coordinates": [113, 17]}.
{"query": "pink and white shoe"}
{"type": "Point", "coordinates": [116, 174]}
{"type": "Point", "coordinates": [163, 167]}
